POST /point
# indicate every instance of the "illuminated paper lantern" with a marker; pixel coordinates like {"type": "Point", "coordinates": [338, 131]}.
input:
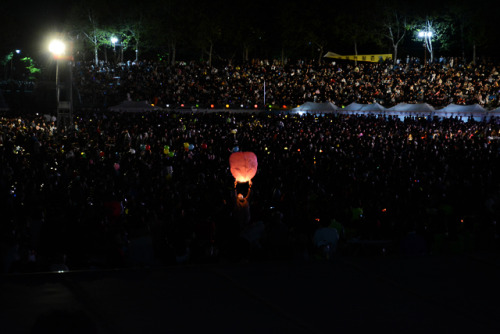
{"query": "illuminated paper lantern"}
{"type": "Point", "coordinates": [243, 166]}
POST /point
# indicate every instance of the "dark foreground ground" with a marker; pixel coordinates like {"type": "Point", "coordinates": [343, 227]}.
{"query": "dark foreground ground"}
{"type": "Point", "coordinates": [435, 294]}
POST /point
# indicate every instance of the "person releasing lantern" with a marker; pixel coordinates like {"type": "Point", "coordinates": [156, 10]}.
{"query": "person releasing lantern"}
{"type": "Point", "coordinates": [243, 168]}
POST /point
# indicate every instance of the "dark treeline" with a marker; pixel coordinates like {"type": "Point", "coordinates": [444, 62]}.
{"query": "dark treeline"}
{"type": "Point", "coordinates": [220, 29]}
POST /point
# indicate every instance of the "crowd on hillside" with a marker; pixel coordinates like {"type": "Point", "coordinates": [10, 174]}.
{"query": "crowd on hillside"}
{"type": "Point", "coordinates": [245, 85]}
{"type": "Point", "coordinates": [118, 190]}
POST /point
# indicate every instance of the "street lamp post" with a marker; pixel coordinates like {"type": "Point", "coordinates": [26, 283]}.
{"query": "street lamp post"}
{"type": "Point", "coordinates": [57, 48]}
{"type": "Point", "coordinates": [426, 36]}
{"type": "Point", "coordinates": [114, 40]}
{"type": "Point", "coordinates": [64, 108]}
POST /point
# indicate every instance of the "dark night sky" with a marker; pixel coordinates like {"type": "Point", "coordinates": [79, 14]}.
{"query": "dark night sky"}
{"type": "Point", "coordinates": [28, 26]}
{"type": "Point", "coordinates": [32, 24]}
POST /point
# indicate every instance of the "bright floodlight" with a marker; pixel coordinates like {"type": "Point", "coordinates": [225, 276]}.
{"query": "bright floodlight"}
{"type": "Point", "coordinates": [114, 40]}
{"type": "Point", "coordinates": [425, 34]}
{"type": "Point", "coordinates": [57, 47]}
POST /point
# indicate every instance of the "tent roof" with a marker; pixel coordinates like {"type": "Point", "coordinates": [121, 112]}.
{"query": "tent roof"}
{"type": "Point", "coordinates": [316, 107]}
{"type": "Point", "coordinates": [412, 107]}
{"type": "Point", "coordinates": [372, 107]}
{"type": "Point", "coordinates": [455, 108]}
{"type": "Point", "coordinates": [353, 107]}
{"type": "Point", "coordinates": [369, 107]}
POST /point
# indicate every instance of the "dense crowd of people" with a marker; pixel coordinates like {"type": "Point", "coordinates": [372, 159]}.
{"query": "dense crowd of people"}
{"type": "Point", "coordinates": [135, 189]}
{"type": "Point", "coordinates": [439, 84]}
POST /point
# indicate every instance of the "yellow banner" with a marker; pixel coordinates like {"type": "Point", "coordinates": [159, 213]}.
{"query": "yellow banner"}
{"type": "Point", "coordinates": [371, 58]}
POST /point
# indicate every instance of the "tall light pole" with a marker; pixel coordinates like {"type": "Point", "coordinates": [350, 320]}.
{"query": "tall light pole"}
{"type": "Point", "coordinates": [64, 108]}
{"type": "Point", "coordinates": [426, 37]}
{"type": "Point", "coordinates": [114, 40]}
{"type": "Point", "coordinates": [57, 48]}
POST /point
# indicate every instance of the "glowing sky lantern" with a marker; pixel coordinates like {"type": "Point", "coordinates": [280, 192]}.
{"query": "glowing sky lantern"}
{"type": "Point", "coordinates": [243, 166]}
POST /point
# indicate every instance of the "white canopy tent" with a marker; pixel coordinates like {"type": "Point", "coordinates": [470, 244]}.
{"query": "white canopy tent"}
{"type": "Point", "coordinates": [402, 110]}
{"type": "Point", "coordinates": [315, 108]}
{"type": "Point", "coordinates": [493, 113]}
{"type": "Point", "coordinates": [464, 112]}
{"type": "Point", "coordinates": [352, 108]}
{"type": "Point", "coordinates": [355, 108]}
{"type": "Point", "coordinates": [372, 108]}
{"type": "Point", "coordinates": [424, 108]}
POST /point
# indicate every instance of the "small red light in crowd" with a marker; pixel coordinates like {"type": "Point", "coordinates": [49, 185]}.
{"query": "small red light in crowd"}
{"type": "Point", "coordinates": [284, 106]}
{"type": "Point", "coordinates": [182, 105]}
{"type": "Point", "coordinates": [384, 210]}
{"type": "Point", "coordinates": [212, 106]}
{"type": "Point", "coordinates": [255, 106]}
